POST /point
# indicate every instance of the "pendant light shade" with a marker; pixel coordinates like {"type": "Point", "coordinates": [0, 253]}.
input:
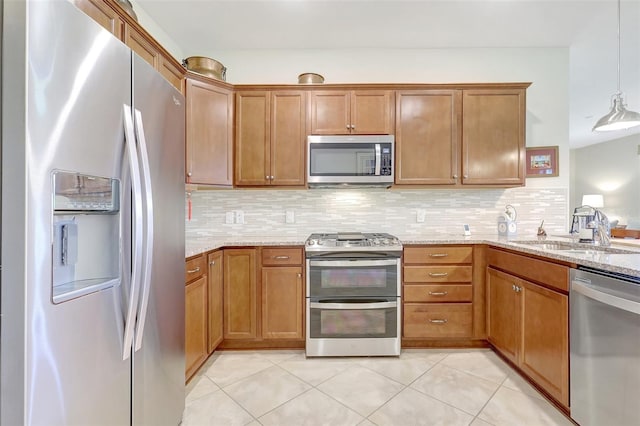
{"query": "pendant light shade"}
{"type": "Point", "coordinates": [618, 118]}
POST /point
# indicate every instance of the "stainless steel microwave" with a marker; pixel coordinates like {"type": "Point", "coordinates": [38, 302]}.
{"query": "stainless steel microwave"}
{"type": "Point", "coordinates": [362, 160]}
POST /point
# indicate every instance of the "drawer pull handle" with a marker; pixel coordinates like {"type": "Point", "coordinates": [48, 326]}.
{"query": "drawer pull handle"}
{"type": "Point", "coordinates": [439, 255]}
{"type": "Point", "coordinates": [438, 293]}
{"type": "Point", "coordinates": [193, 271]}
{"type": "Point", "coordinates": [438, 321]}
{"type": "Point", "coordinates": [438, 274]}
{"type": "Point", "coordinates": [281, 257]}
{"type": "Point", "coordinates": [213, 262]}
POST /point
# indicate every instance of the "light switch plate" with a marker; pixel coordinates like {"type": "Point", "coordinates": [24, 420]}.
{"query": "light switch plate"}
{"type": "Point", "coordinates": [229, 217]}
{"type": "Point", "coordinates": [239, 216]}
{"type": "Point", "coordinates": [289, 216]}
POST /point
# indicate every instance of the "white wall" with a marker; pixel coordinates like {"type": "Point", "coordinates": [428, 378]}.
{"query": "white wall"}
{"type": "Point", "coordinates": [612, 169]}
{"type": "Point", "coordinates": [157, 32]}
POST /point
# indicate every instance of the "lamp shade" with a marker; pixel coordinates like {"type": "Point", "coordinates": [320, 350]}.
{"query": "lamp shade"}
{"type": "Point", "coordinates": [619, 118]}
{"type": "Point", "coordinates": [593, 200]}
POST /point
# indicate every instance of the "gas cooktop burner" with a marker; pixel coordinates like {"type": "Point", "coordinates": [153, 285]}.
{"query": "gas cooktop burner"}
{"type": "Point", "coordinates": [349, 241]}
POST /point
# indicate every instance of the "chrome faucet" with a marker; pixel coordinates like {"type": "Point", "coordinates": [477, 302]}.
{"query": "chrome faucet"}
{"type": "Point", "coordinates": [602, 229]}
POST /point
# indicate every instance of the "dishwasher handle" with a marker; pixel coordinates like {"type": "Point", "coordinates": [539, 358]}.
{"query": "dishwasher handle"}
{"type": "Point", "coordinates": [579, 285]}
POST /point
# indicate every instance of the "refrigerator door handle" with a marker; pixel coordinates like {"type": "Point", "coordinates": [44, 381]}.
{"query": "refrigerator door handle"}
{"type": "Point", "coordinates": [148, 240]}
{"type": "Point", "coordinates": [137, 232]}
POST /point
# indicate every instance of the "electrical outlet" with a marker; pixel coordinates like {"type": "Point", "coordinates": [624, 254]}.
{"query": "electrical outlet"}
{"type": "Point", "coordinates": [239, 216]}
{"type": "Point", "coordinates": [421, 215]}
{"type": "Point", "coordinates": [229, 217]}
{"type": "Point", "coordinates": [289, 216]}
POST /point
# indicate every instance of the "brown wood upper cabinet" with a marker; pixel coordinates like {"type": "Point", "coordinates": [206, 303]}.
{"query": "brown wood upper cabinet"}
{"type": "Point", "coordinates": [428, 137]}
{"type": "Point", "coordinates": [461, 136]}
{"type": "Point", "coordinates": [270, 138]}
{"type": "Point", "coordinates": [112, 17]}
{"type": "Point", "coordinates": [209, 131]}
{"type": "Point", "coordinates": [343, 112]}
{"type": "Point", "coordinates": [493, 136]}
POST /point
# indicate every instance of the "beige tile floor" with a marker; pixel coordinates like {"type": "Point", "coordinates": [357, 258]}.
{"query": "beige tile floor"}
{"type": "Point", "coordinates": [421, 387]}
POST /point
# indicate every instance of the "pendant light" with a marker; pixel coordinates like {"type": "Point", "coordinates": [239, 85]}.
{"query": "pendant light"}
{"type": "Point", "coordinates": [619, 117]}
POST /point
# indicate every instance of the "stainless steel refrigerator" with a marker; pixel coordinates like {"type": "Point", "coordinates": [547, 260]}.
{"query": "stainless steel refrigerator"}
{"type": "Point", "coordinates": [92, 325]}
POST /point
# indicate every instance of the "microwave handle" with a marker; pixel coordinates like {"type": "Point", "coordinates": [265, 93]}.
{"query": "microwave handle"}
{"type": "Point", "coordinates": [378, 160]}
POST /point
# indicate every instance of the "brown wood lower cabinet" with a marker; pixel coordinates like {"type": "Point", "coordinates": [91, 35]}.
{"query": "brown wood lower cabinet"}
{"type": "Point", "coordinates": [195, 315]}
{"type": "Point", "coordinates": [240, 294]}
{"type": "Point", "coordinates": [438, 294]}
{"type": "Point", "coordinates": [528, 324]}
{"type": "Point", "coordinates": [266, 308]}
{"type": "Point", "coordinates": [215, 290]}
{"type": "Point", "coordinates": [282, 302]}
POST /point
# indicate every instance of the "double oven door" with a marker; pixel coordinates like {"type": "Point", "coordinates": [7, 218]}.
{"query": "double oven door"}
{"type": "Point", "coordinates": [353, 305]}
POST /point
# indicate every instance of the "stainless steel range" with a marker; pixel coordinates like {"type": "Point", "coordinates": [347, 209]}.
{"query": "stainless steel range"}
{"type": "Point", "coordinates": [353, 294]}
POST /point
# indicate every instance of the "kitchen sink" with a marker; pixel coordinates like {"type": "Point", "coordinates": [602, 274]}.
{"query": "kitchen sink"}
{"type": "Point", "coordinates": [576, 248]}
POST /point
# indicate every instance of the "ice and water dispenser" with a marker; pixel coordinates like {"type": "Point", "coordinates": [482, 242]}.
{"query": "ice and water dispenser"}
{"type": "Point", "coordinates": [86, 234]}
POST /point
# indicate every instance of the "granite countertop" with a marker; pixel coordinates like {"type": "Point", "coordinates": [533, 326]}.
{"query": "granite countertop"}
{"type": "Point", "coordinates": [623, 263]}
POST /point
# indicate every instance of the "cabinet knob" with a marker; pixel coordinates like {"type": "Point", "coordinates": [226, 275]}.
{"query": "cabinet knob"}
{"type": "Point", "coordinates": [455, 176]}
{"type": "Point", "coordinates": [213, 262]}
{"type": "Point", "coordinates": [299, 275]}
{"type": "Point", "coordinates": [189, 174]}
{"type": "Point", "coordinates": [353, 126]}
{"type": "Point", "coordinates": [271, 177]}
{"type": "Point", "coordinates": [465, 176]}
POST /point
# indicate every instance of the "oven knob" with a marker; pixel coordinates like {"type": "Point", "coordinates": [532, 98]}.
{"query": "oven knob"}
{"type": "Point", "coordinates": [312, 242]}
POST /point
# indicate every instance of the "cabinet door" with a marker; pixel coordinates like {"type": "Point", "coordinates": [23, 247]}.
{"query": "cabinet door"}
{"type": "Point", "coordinates": [195, 325]}
{"type": "Point", "coordinates": [372, 112]}
{"type": "Point", "coordinates": [502, 320]}
{"type": "Point", "coordinates": [141, 45]}
{"type": "Point", "coordinates": [172, 72]}
{"type": "Point", "coordinates": [545, 339]}
{"type": "Point", "coordinates": [428, 137]}
{"type": "Point", "coordinates": [252, 138]}
{"type": "Point", "coordinates": [493, 131]}
{"type": "Point", "coordinates": [214, 292]}
{"type": "Point", "coordinates": [240, 315]}
{"type": "Point", "coordinates": [288, 137]}
{"type": "Point", "coordinates": [104, 15]}
{"type": "Point", "coordinates": [282, 302]}
{"type": "Point", "coordinates": [209, 133]}
{"type": "Point", "coordinates": [330, 112]}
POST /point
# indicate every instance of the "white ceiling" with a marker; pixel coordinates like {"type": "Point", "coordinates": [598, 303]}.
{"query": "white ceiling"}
{"type": "Point", "coordinates": [587, 27]}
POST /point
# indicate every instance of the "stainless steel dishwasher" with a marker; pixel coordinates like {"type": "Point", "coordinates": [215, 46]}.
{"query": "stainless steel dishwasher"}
{"type": "Point", "coordinates": [605, 348]}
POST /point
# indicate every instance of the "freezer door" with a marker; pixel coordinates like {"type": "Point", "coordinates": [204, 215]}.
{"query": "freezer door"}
{"type": "Point", "coordinates": [69, 368]}
{"type": "Point", "coordinates": [159, 367]}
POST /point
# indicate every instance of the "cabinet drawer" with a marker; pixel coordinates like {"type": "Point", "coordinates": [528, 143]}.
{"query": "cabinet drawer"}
{"type": "Point", "coordinates": [438, 254]}
{"type": "Point", "coordinates": [440, 320]}
{"type": "Point", "coordinates": [437, 293]}
{"type": "Point", "coordinates": [281, 256]}
{"type": "Point", "coordinates": [437, 274]}
{"type": "Point", "coordinates": [547, 273]}
{"type": "Point", "coordinates": [195, 267]}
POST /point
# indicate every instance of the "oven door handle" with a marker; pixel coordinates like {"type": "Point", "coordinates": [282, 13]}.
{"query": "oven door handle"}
{"type": "Point", "coordinates": [353, 306]}
{"type": "Point", "coordinates": [351, 263]}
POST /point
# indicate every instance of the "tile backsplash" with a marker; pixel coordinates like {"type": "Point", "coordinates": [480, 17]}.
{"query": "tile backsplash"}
{"type": "Point", "coordinates": [264, 212]}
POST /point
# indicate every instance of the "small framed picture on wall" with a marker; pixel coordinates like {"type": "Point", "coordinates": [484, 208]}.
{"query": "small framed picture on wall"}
{"type": "Point", "coordinates": [542, 161]}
